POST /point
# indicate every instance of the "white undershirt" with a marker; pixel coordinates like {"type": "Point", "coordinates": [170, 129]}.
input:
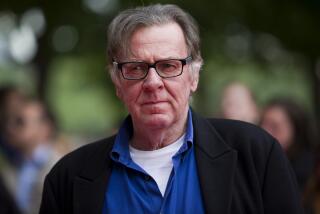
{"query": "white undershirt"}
{"type": "Point", "coordinates": [158, 163]}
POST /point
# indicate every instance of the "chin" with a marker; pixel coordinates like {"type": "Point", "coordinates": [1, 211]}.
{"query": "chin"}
{"type": "Point", "coordinates": [156, 120]}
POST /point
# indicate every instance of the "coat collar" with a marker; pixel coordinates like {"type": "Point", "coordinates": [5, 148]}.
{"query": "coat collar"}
{"type": "Point", "coordinates": [90, 185]}
{"type": "Point", "coordinates": [216, 163]}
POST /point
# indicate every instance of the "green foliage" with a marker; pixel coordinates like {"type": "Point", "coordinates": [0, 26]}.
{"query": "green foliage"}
{"type": "Point", "coordinates": [266, 82]}
{"type": "Point", "coordinates": [21, 76]}
{"type": "Point", "coordinates": [78, 93]}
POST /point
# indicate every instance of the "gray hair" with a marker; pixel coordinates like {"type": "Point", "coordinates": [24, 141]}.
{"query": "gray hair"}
{"type": "Point", "coordinates": [128, 21]}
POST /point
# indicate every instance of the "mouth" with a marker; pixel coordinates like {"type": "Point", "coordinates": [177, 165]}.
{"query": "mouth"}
{"type": "Point", "coordinates": [153, 102]}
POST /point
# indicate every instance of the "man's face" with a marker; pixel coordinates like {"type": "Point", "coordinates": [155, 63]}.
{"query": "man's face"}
{"type": "Point", "coordinates": [155, 102]}
{"type": "Point", "coordinates": [28, 128]}
{"type": "Point", "coordinates": [276, 121]}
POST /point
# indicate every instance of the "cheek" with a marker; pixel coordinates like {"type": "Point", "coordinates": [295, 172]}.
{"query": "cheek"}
{"type": "Point", "coordinates": [180, 96]}
{"type": "Point", "coordinates": [286, 134]}
{"type": "Point", "coordinates": [188, 87]}
{"type": "Point", "coordinates": [128, 94]}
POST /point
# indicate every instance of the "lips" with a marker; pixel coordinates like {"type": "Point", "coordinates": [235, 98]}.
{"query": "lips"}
{"type": "Point", "coordinates": [153, 102]}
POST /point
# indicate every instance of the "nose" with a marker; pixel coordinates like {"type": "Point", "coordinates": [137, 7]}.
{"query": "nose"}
{"type": "Point", "coordinates": [152, 81]}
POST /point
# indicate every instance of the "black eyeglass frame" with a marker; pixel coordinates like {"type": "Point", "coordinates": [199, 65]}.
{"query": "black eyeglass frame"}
{"type": "Point", "coordinates": [184, 61]}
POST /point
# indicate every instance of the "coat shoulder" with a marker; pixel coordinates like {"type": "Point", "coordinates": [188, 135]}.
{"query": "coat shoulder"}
{"type": "Point", "coordinates": [238, 134]}
{"type": "Point", "coordinates": [253, 145]}
{"type": "Point", "coordinates": [74, 161]}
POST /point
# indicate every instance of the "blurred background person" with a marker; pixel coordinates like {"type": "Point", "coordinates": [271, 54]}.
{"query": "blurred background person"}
{"type": "Point", "coordinates": [29, 150]}
{"type": "Point", "coordinates": [11, 99]}
{"type": "Point", "coordinates": [238, 103]}
{"type": "Point", "coordinates": [290, 124]}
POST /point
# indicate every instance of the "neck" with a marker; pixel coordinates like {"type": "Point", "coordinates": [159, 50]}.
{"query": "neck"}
{"type": "Point", "coordinates": [154, 139]}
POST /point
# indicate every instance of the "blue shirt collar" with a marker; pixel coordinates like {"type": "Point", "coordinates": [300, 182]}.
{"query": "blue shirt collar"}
{"type": "Point", "coordinates": [120, 151]}
{"type": "Point", "coordinates": [189, 131]}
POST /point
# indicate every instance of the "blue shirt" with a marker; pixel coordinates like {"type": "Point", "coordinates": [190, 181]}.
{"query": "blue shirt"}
{"type": "Point", "coordinates": [132, 190]}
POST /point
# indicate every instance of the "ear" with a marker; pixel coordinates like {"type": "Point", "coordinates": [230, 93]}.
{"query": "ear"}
{"type": "Point", "coordinates": [194, 82]}
{"type": "Point", "coordinates": [195, 77]}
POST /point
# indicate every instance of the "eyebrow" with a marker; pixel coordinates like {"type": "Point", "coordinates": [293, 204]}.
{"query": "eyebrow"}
{"type": "Point", "coordinates": [139, 60]}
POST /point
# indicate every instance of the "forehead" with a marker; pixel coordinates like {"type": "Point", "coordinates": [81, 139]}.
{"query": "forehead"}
{"type": "Point", "coordinates": [164, 41]}
{"type": "Point", "coordinates": [31, 108]}
{"type": "Point", "coordinates": [277, 112]}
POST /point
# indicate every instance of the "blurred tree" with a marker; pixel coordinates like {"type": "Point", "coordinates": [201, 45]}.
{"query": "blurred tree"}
{"type": "Point", "coordinates": [294, 23]}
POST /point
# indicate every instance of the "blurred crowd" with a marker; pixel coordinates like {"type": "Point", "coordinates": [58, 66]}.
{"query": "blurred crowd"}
{"type": "Point", "coordinates": [30, 143]}
{"type": "Point", "coordinates": [291, 125]}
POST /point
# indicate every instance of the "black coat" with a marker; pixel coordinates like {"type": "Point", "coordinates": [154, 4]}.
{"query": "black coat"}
{"type": "Point", "coordinates": [7, 203]}
{"type": "Point", "coordinates": [242, 170]}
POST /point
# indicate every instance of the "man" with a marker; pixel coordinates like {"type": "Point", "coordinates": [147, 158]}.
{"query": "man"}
{"type": "Point", "coordinates": [28, 152]}
{"type": "Point", "coordinates": [166, 158]}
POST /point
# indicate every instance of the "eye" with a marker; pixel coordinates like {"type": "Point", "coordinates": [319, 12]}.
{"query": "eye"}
{"type": "Point", "coordinates": [134, 67]}
{"type": "Point", "coordinates": [137, 68]}
{"type": "Point", "coordinates": [168, 66]}
{"type": "Point", "coordinates": [134, 70]}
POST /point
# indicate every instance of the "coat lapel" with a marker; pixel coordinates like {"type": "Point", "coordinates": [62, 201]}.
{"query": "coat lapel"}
{"type": "Point", "coordinates": [90, 186]}
{"type": "Point", "coordinates": [216, 163]}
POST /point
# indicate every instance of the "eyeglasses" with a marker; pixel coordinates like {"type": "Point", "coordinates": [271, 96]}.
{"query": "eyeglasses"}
{"type": "Point", "coordinates": [165, 68]}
